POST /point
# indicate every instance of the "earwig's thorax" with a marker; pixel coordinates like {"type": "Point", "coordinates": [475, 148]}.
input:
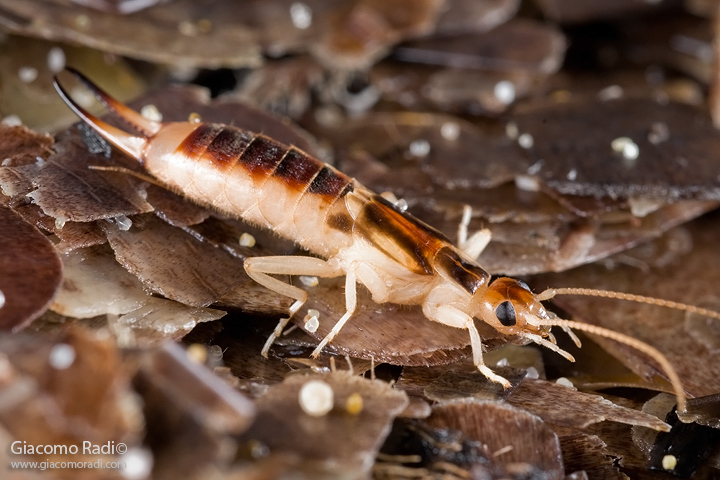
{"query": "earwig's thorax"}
{"type": "Point", "coordinates": [510, 307]}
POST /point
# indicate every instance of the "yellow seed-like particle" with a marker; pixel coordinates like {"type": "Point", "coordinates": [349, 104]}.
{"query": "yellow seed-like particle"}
{"type": "Point", "coordinates": [669, 462]}
{"type": "Point", "coordinates": [197, 353]}
{"type": "Point", "coordinates": [354, 403]}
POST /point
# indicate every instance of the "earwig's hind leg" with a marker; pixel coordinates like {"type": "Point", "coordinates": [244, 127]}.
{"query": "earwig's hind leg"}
{"type": "Point", "coordinates": [454, 317]}
{"type": "Point", "coordinates": [477, 242]}
{"type": "Point", "coordinates": [260, 269]}
{"type": "Point", "coordinates": [350, 304]}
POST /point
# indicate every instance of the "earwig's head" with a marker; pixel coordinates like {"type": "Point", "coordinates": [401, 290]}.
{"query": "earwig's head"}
{"type": "Point", "coordinates": [510, 307]}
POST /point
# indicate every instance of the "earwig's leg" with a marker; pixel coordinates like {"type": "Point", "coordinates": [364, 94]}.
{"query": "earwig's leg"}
{"type": "Point", "coordinates": [260, 268]}
{"type": "Point", "coordinates": [474, 245]}
{"type": "Point", "coordinates": [463, 227]}
{"type": "Point", "coordinates": [350, 304]}
{"type": "Point", "coordinates": [454, 317]}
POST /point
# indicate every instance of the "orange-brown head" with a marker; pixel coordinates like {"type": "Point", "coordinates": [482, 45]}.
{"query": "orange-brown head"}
{"type": "Point", "coordinates": [509, 307]}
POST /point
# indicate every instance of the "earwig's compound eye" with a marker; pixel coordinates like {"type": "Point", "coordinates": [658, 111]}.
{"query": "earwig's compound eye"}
{"type": "Point", "coordinates": [506, 314]}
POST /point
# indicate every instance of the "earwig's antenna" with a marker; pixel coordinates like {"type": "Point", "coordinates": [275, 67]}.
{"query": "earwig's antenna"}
{"type": "Point", "coordinates": [591, 292]}
{"type": "Point", "coordinates": [632, 342]}
{"type": "Point", "coordinates": [627, 340]}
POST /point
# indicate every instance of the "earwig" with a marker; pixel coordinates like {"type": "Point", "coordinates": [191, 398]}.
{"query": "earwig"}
{"type": "Point", "coordinates": [352, 231]}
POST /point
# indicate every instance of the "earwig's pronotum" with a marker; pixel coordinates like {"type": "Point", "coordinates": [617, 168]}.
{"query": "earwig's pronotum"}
{"type": "Point", "coordinates": [357, 233]}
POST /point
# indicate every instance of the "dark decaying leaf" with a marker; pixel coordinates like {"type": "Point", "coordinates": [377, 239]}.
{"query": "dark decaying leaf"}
{"type": "Point", "coordinates": [690, 278]}
{"type": "Point", "coordinates": [560, 405]}
{"type": "Point", "coordinates": [582, 452]}
{"type": "Point", "coordinates": [461, 16]}
{"type": "Point", "coordinates": [81, 379]}
{"type": "Point", "coordinates": [570, 11]}
{"type": "Point", "coordinates": [149, 35]}
{"type": "Point", "coordinates": [191, 414]}
{"type": "Point", "coordinates": [30, 271]}
{"type": "Point", "coordinates": [519, 45]}
{"type": "Point", "coordinates": [173, 209]}
{"type": "Point", "coordinates": [66, 189]}
{"type": "Point", "coordinates": [282, 426]}
{"type": "Point", "coordinates": [534, 446]}
{"type": "Point", "coordinates": [362, 31]}
{"type": "Point", "coordinates": [20, 145]}
{"type": "Point", "coordinates": [203, 276]}
{"type": "Point", "coordinates": [574, 152]}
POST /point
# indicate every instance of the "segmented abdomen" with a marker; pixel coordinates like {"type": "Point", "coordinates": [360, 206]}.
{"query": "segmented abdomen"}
{"type": "Point", "coordinates": [260, 180]}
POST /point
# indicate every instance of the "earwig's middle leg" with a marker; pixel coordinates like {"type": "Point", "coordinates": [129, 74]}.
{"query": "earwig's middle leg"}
{"type": "Point", "coordinates": [260, 269]}
{"type": "Point", "coordinates": [350, 304]}
{"type": "Point", "coordinates": [477, 242]}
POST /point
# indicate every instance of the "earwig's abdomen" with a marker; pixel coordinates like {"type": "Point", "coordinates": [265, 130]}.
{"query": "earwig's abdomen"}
{"type": "Point", "coordinates": [253, 177]}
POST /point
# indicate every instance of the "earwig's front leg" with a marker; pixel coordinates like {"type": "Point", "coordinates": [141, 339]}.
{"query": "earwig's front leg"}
{"type": "Point", "coordinates": [455, 317]}
{"type": "Point", "coordinates": [260, 268]}
{"type": "Point", "coordinates": [474, 245]}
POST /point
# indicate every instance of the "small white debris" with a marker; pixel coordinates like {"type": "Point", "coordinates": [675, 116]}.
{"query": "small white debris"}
{"type": "Point", "coordinates": [311, 320]}
{"type": "Point", "coordinates": [503, 362]}
{"type": "Point", "coordinates": [12, 121]}
{"type": "Point", "coordinates": [504, 91]}
{"type": "Point", "coordinates": [659, 132]}
{"type": "Point", "coordinates": [2, 299]}
{"type": "Point", "coordinates": [564, 382]}
{"type": "Point", "coordinates": [535, 168]}
{"type": "Point", "coordinates": [626, 147]}
{"type": "Point", "coordinates": [151, 112]}
{"type": "Point", "coordinates": [533, 373]}
{"type": "Point", "coordinates": [642, 207]}
{"type": "Point", "coordinates": [527, 183]}
{"type": "Point", "coordinates": [187, 28]}
{"type": "Point", "coordinates": [247, 240]}
{"type": "Point", "coordinates": [450, 131]}
{"type": "Point", "coordinates": [138, 464]}
{"type": "Point", "coordinates": [316, 398]}
{"type": "Point", "coordinates": [613, 92]}
{"type": "Point", "coordinates": [27, 74]}
{"type": "Point", "coordinates": [526, 140]}
{"type": "Point", "coordinates": [420, 148]}
{"type": "Point", "coordinates": [83, 97]}
{"type": "Point", "coordinates": [669, 462]}
{"type": "Point", "coordinates": [56, 59]}
{"type": "Point", "coordinates": [82, 22]}
{"type": "Point", "coordinates": [572, 175]}
{"type": "Point", "coordinates": [301, 15]}
{"type": "Point", "coordinates": [60, 222]}
{"type": "Point", "coordinates": [61, 356]}
{"type": "Point", "coordinates": [512, 131]}
{"type": "Point", "coordinates": [309, 281]}
{"type": "Point", "coordinates": [123, 223]}
{"type": "Point", "coordinates": [39, 161]}
{"type": "Point", "coordinates": [258, 449]}
{"type": "Point", "coordinates": [401, 205]}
